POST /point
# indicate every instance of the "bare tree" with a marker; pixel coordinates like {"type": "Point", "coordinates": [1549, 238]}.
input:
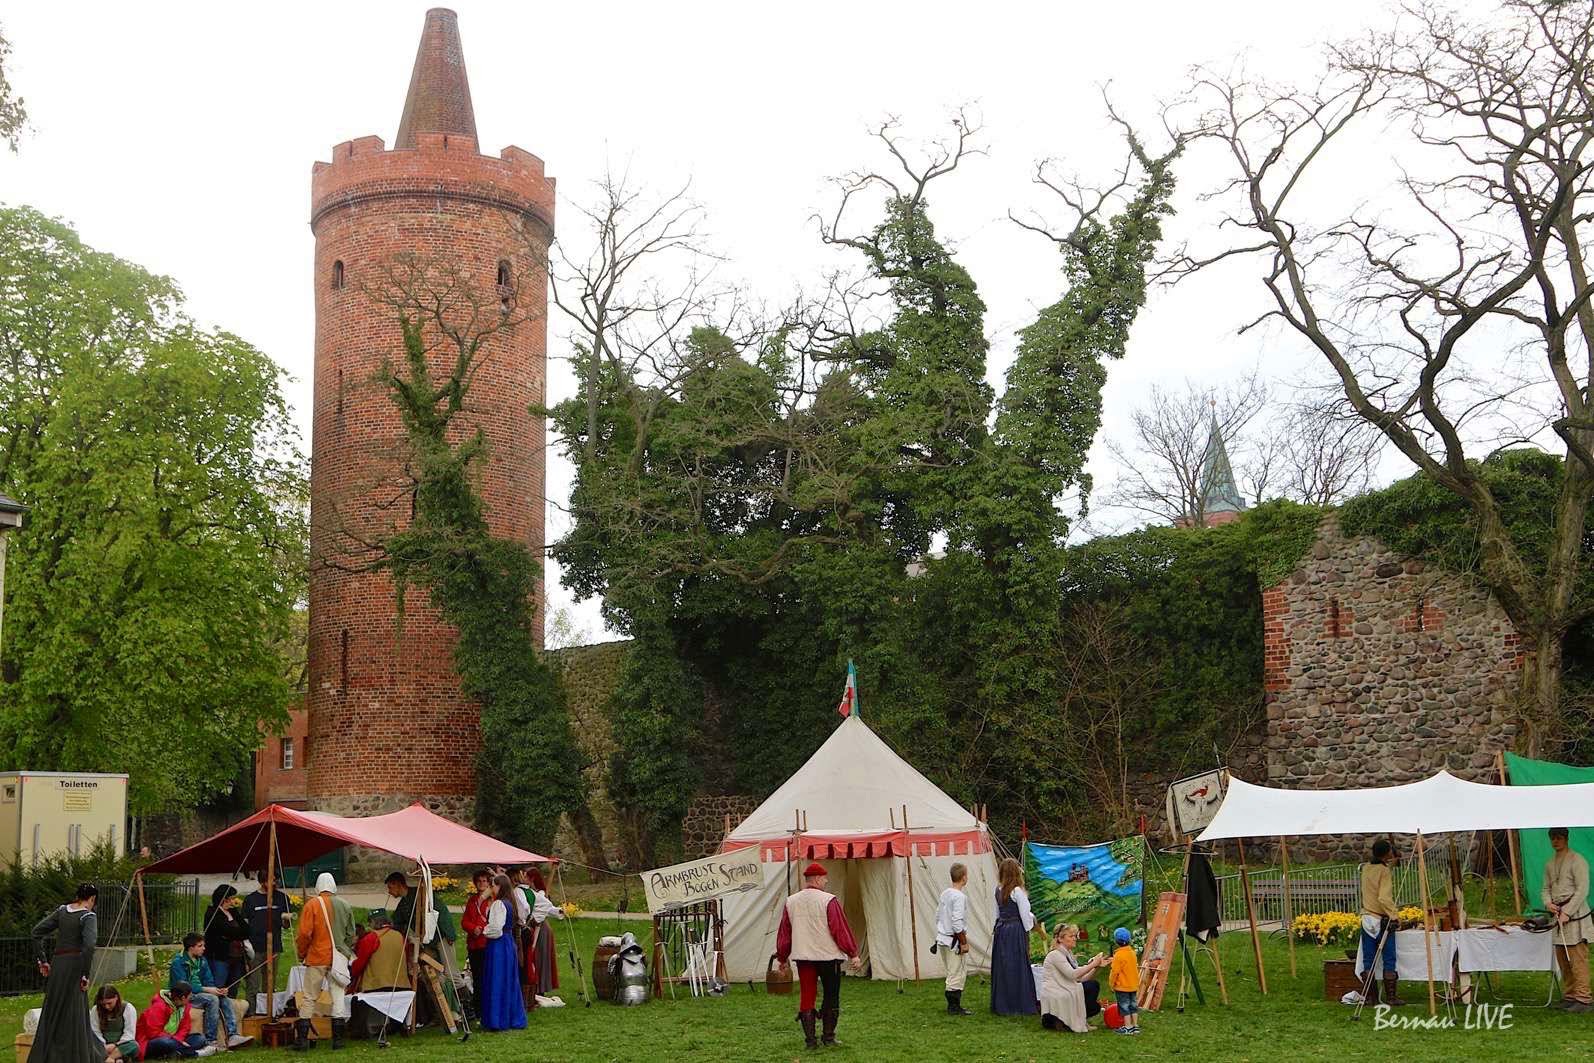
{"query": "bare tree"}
{"type": "Point", "coordinates": [1320, 454]}
{"type": "Point", "coordinates": [1475, 252]}
{"type": "Point", "coordinates": [1164, 467]}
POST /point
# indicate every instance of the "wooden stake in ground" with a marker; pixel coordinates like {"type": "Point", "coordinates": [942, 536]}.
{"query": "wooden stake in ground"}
{"type": "Point", "coordinates": [913, 916]}
{"type": "Point", "coordinates": [1287, 914]}
{"type": "Point", "coordinates": [1510, 840]}
{"type": "Point", "coordinates": [1250, 914]}
{"type": "Point", "coordinates": [271, 915]}
{"type": "Point", "coordinates": [1427, 923]}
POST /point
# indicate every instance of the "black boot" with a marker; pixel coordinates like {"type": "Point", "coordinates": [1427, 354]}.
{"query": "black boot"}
{"type": "Point", "coordinates": [1391, 982]}
{"type": "Point", "coordinates": [830, 1015]}
{"type": "Point", "coordinates": [338, 1026]}
{"type": "Point", "coordinates": [954, 1003]}
{"type": "Point", "coordinates": [807, 1019]}
{"type": "Point", "coordinates": [301, 1035]}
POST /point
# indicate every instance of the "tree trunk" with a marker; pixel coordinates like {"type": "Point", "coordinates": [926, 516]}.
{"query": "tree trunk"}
{"type": "Point", "coordinates": [589, 836]}
{"type": "Point", "coordinates": [1541, 692]}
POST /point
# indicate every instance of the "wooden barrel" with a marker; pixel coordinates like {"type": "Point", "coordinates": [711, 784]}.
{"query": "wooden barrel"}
{"type": "Point", "coordinates": [602, 983]}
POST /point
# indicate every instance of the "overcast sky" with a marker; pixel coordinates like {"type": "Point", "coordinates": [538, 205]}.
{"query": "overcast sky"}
{"type": "Point", "coordinates": [181, 136]}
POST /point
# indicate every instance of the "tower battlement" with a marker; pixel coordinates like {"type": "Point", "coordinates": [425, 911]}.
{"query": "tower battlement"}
{"type": "Point", "coordinates": [446, 164]}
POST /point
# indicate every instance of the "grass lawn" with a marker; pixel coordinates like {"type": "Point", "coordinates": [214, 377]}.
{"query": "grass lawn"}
{"type": "Point", "coordinates": [878, 1023]}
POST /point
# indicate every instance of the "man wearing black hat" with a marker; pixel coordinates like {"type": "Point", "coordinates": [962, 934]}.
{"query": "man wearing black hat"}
{"type": "Point", "coordinates": [814, 932]}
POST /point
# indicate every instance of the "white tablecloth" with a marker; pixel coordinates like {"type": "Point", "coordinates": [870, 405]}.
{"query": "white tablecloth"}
{"type": "Point", "coordinates": [1474, 950]}
{"type": "Point", "coordinates": [295, 985]}
{"type": "Point", "coordinates": [1514, 949]}
{"type": "Point", "coordinates": [1411, 957]}
{"type": "Point", "coordinates": [395, 1004]}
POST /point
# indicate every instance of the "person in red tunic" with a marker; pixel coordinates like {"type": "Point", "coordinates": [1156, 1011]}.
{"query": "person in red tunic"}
{"type": "Point", "coordinates": [814, 932]}
{"type": "Point", "coordinates": [474, 923]}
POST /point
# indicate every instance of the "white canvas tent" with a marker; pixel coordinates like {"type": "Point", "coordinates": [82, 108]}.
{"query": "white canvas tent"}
{"type": "Point", "coordinates": [849, 797]}
{"type": "Point", "coordinates": [1437, 805]}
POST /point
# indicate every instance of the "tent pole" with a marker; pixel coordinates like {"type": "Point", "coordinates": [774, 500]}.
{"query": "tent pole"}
{"type": "Point", "coordinates": [1427, 921]}
{"type": "Point", "coordinates": [913, 912]}
{"type": "Point", "coordinates": [143, 917]}
{"type": "Point", "coordinates": [1250, 914]}
{"type": "Point", "coordinates": [1287, 915]}
{"type": "Point", "coordinates": [1510, 839]}
{"type": "Point", "coordinates": [271, 917]}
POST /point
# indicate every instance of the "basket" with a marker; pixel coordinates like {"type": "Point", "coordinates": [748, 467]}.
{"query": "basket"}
{"type": "Point", "coordinates": [777, 981]}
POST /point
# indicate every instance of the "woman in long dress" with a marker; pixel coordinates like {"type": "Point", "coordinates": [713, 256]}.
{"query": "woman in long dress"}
{"type": "Point", "coordinates": [1012, 981]}
{"type": "Point", "coordinates": [502, 1007]}
{"type": "Point", "coordinates": [64, 1035]}
{"type": "Point", "coordinates": [1069, 989]}
{"type": "Point", "coordinates": [542, 910]}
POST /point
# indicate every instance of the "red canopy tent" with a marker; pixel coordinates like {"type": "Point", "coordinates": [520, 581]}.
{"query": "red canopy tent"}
{"type": "Point", "coordinates": [300, 837]}
{"type": "Point", "coordinates": [277, 836]}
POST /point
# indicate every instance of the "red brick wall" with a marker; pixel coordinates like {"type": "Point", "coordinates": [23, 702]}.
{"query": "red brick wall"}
{"type": "Point", "coordinates": [275, 784]}
{"type": "Point", "coordinates": [373, 685]}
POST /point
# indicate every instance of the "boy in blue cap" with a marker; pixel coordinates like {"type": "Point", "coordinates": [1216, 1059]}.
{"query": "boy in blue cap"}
{"type": "Point", "coordinates": [1124, 978]}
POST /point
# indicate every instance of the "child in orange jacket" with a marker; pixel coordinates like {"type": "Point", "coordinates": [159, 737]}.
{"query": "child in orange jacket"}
{"type": "Point", "coordinates": [1124, 978]}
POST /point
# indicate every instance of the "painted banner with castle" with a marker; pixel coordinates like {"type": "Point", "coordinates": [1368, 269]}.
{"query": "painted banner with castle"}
{"type": "Point", "coordinates": [1097, 887]}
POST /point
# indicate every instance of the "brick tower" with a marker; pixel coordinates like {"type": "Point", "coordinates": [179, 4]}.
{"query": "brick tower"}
{"type": "Point", "coordinates": [388, 723]}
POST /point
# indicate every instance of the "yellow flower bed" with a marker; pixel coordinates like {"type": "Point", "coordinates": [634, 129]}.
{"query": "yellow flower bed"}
{"type": "Point", "coordinates": [1338, 928]}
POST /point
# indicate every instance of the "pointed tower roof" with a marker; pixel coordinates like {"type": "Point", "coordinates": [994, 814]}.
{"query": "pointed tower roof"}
{"type": "Point", "coordinates": [439, 96]}
{"type": "Point", "coordinates": [1219, 493]}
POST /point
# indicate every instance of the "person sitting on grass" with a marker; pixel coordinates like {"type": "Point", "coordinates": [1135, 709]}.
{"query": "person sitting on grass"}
{"type": "Point", "coordinates": [166, 1028]}
{"type": "Point", "coordinates": [115, 1025]}
{"type": "Point", "coordinates": [209, 993]}
{"type": "Point", "coordinates": [1069, 989]}
{"type": "Point", "coordinates": [1125, 981]}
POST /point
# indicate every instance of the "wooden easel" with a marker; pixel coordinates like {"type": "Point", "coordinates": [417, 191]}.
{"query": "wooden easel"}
{"type": "Point", "coordinates": [1162, 941]}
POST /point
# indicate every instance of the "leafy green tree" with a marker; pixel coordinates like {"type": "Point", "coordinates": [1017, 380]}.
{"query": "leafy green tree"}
{"type": "Point", "coordinates": [756, 505]}
{"type": "Point", "coordinates": [13, 115]}
{"type": "Point", "coordinates": [160, 565]}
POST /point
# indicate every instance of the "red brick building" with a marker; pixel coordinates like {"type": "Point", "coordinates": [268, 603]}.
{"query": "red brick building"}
{"type": "Point", "coordinates": [375, 684]}
{"type": "Point", "coordinates": [282, 773]}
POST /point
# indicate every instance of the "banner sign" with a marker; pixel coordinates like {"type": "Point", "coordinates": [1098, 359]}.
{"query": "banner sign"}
{"type": "Point", "coordinates": [1096, 887]}
{"type": "Point", "coordinates": [703, 880]}
{"type": "Point", "coordinates": [1193, 803]}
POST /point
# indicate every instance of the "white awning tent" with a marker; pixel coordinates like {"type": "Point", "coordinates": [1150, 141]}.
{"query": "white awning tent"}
{"type": "Point", "coordinates": [1439, 805]}
{"type": "Point", "coordinates": [849, 798]}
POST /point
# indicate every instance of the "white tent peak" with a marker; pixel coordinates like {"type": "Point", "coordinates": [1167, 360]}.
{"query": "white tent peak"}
{"type": "Point", "coordinates": [854, 782]}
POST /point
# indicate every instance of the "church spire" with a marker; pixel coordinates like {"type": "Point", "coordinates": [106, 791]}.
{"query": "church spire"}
{"type": "Point", "coordinates": [439, 96]}
{"type": "Point", "coordinates": [1220, 496]}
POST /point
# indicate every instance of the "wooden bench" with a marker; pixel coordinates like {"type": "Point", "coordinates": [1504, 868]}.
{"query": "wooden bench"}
{"type": "Point", "coordinates": [1344, 894]}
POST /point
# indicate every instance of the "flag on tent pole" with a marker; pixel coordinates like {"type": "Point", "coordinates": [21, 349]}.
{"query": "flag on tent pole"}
{"type": "Point", "coordinates": [849, 696]}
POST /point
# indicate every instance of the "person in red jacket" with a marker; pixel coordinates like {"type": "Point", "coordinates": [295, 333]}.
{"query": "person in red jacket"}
{"type": "Point", "coordinates": [814, 932]}
{"type": "Point", "coordinates": [166, 1027]}
{"type": "Point", "coordinates": [474, 922]}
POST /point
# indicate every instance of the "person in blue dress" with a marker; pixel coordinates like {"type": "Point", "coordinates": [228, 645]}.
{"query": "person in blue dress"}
{"type": "Point", "coordinates": [1012, 980]}
{"type": "Point", "coordinates": [502, 1007]}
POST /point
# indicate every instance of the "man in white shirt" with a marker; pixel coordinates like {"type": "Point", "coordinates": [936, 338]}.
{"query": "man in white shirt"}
{"type": "Point", "coordinates": [952, 938]}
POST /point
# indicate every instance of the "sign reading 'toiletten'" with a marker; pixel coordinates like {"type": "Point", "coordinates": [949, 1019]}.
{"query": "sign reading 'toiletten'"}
{"type": "Point", "coordinates": [702, 880]}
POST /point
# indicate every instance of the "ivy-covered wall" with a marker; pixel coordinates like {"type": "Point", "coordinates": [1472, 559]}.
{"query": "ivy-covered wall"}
{"type": "Point", "coordinates": [589, 675]}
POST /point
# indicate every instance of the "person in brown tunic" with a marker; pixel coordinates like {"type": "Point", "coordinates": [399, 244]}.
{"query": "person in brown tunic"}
{"type": "Point", "coordinates": [1565, 896]}
{"type": "Point", "coordinates": [64, 1035]}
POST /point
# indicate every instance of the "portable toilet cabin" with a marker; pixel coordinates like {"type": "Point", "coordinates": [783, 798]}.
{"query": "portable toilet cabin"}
{"type": "Point", "coordinates": [60, 813]}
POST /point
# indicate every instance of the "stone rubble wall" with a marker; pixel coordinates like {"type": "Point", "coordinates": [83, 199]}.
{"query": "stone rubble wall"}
{"type": "Point", "coordinates": [1380, 669]}
{"type": "Point", "coordinates": [704, 826]}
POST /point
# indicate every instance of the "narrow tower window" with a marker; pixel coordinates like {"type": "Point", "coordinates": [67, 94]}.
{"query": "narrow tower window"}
{"type": "Point", "coordinates": [337, 275]}
{"type": "Point", "coordinates": [503, 274]}
{"type": "Point", "coordinates": [343, 661]}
